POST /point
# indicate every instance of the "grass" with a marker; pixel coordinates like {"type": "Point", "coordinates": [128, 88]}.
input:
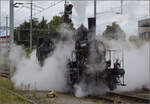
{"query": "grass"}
{"type": "Point", "coordinates": [6, 83]}
{"type": "Point", "coordinates": [8, 98]}
{"type": "Point", "coordinates": [6, 95]}
{"type": "Point", "coordinates": [10, 95]}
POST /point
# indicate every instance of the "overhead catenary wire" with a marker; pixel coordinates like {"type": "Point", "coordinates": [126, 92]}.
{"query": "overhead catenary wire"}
{"type": "Point", "coordinates": [52, 5]}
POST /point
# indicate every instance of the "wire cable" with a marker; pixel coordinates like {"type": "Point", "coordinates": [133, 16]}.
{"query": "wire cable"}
{"type": "Point", "coordinates": [52, 5]}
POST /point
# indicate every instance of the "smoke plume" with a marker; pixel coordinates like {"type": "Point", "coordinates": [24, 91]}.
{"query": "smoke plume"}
{"type": "Point", "coordinates": [136, 64]}
{"type": "Point", "coordinates": [80, 8]}
{"type": "Point", "coordinates": [51, 75]}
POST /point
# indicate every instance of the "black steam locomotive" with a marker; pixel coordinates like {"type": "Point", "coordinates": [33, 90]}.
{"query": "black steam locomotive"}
{"type": "Point", "coordinates": [79, 65]}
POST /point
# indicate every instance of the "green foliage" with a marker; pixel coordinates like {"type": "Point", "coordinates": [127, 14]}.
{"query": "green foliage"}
{"type": "Point", "coordinates": [27, 50]}
{"type": "Point", "coordinates": [6, 97]}
{"type": "Point", "coordinates": [39, 28]}
{"type": "Point", "coordinates": [54, 23]}
{"type": "Point", "coordinates": [114, 32]}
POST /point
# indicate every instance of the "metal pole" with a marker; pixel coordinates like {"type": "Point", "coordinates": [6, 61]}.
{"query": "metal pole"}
{"type": "Point", "coordinates": [6, 25]}
{"type": "Point", "coordinates": [31, 29]}
{"type": "Point", "coordinates": [48, 27]}
{"type": "Point", "coordinates": [64, 18]}
{"type": "Point", "coordinates": [11, 25]}
{"type": "Point", "coordinates": [0, 17]}
{"type": "Point", "coordinates": [121, 7]}
{"type": "Point", "coordinates": [95, 14]}
{"type": "Point", "coordinates": [149, 8]}
{"type": "Point", "coordinates": [11, 22]}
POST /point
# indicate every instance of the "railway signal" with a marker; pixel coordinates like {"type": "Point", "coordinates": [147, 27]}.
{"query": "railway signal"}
{"type": "Point", "coordinates": [67, 13]}
{"type": "Point", "coordinates": [68, 9]}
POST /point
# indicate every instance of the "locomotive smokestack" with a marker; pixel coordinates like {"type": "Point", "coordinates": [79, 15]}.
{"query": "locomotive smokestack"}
{"type": "Point", "coordinates": [91, 24]}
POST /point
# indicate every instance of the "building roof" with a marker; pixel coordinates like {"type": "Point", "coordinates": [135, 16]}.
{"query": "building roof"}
{"type": "Point", "coordinates": [144, 23]}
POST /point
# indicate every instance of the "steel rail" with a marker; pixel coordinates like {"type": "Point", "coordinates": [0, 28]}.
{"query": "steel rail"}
{"type": "Point", "coordinates": [105, 98]}
{"type": "Point", "coordinates": [130, 97]}
{"type": "Point", "coordinates": [4, 72]}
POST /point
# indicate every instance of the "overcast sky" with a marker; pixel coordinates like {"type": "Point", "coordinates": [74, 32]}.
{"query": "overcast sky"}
{"type": "Point", "coordinates": [132, 12]}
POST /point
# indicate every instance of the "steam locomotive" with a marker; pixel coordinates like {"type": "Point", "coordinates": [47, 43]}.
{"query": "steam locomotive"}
{"type": "Point", "coordinates": [85, 67]}
{"type": "Point", "coordinates": [87, 63]}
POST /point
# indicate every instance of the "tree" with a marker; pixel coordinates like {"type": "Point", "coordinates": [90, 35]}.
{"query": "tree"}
{"type": "Point", "coordinates": [22, 32]}
{"type": "Point", "coordinates": [39, 28]}
{"type": "Point", "coordinates": [43, 26]}
{"type": "Point", "coordinates": [56, 22]}
{"type": "Point", "coordinates": [114, 32]}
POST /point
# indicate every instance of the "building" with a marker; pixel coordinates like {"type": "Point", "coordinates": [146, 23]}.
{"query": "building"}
{"type": "Point", "coordinates": [4, 42]}
{"type": "Point", "coordinates": [144, 29]}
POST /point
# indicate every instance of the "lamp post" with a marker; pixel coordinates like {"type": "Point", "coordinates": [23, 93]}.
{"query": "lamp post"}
{"type": "Point", "coordinates": [11, 25]}
{"type": "Point", "coordinates": [31, 29]}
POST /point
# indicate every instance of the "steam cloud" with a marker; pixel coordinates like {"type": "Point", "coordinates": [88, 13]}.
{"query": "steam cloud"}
{"type": "Point", "coordinates": [52, 74]}
{"type": "Point", "coordinates": [136, 64]}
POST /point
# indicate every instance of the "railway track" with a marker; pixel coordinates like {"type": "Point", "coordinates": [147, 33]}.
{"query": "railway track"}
{"type": "Point", "coordinates": [130, 97]}
{"type": "Point", "coordinates": [4, 72]}
{"type": "Point", "coordinates": [110, 98]}
{"type": "Point", "coordinates": [123, 98]}
{"type": "Point", "coordinates": [119, 98]}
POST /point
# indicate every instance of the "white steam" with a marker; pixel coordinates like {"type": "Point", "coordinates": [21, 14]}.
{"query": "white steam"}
{"type": "Point", "coordinates": [80, 8]}
{"type": "Point", "coordinates": [136, 64]}
{"type": "Point", "coordinates": [137, 68]}
{"type": "Point", "coordinates": [51, 75]}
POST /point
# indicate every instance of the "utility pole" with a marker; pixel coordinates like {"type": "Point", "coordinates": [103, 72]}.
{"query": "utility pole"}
{"type": "Point", "coordinates": [6, 25]}
{"type": "Point", "coordinates": [149, 8]}
{"type": "Point", "coordinates": [48, 28]}
{"type": "Point", "coordinates": [64, 17]}
{"type": "Point", "coordinates": [11, 25]}
{"type": "Point", "coordinates": [31, 29]}
{"type": "Point", "coordinates": [95, 15]}
{"type": "Point", "coordinates": [121, 7]}
{"type": "Point", "coordinates": [0, 17]}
